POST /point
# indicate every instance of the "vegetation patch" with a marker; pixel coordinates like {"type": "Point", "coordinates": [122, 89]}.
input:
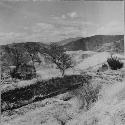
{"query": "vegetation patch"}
{"type": "Point", "coordinates": [115, 63]}
{"type": "Point", "coordinates": [41, 90]}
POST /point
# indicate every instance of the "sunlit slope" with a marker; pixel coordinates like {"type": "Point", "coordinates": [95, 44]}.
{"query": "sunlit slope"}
{"type": "Point", "coordinates": [108, 110]}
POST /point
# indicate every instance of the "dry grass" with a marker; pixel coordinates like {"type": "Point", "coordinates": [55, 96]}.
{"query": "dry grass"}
{"type": "Point", "coordinates": [66, 109]}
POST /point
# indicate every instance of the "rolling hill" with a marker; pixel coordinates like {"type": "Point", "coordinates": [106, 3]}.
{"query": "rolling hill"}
{"type": "Point", "coordinates": [92, 43]}
{"type": "Point", "coordinates": [97, 43]}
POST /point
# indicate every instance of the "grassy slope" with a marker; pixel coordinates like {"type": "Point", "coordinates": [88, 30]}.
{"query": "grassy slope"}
{"type": "Point", "coordinates": [45, 73]}
{"type": "Point", "coordinates": [108, 110]}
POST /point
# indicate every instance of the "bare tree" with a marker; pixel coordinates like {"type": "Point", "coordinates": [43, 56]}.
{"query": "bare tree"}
{"type": "Point", "coordinates": [59, 57]}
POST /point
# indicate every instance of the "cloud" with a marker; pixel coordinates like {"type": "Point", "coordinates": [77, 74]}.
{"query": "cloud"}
{"type": "Point", "coordinates": [42, 27]}
{"type": "Point", "coordinates": [10, 37]}
{"type": "Point", "coordinates": [45, 0]}
{"type": "Point", "coordinates": [63, 16]}
{"type": "Point", "coordinates": [25, 28]}
{"type": "Point", "coordinates": [31, 0]}
{"type": "Point", "coordinates": [71, 32]}
{"type": "Point", "coordinates": [48, 32]}
{"type": "Point", "coordinates": [67, 22]}
{"type": "Point", "coordinates": [111, 28]}
{"type": "Point", "coordinates": [72, 14]}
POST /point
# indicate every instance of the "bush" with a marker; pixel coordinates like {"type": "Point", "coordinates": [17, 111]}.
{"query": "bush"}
{"type": "Point", "coordinates": [114, 63]}
{"type": "Point", "coordinates": [87, 95]}
{"type": "Point", "coordinates": [25, 72]}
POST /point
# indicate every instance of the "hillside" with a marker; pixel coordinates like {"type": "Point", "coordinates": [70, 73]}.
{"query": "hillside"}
{"type": "Point", "coordinates": [25, 51]}
{"type": "Point", "coordinates": [65, 109]}
{"type": "Point", "coordinates": [92, 43]}
{"type": "Point", "coordinates": [68, 108]}
{"type": "Point", "coordinates": [22, 44]}
{"type": "Point", "coordinates": [117, 46]}
{"type": "Point", "coordinates": [21, 51]}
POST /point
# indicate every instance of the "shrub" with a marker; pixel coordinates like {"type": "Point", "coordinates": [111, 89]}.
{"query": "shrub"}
{"type": "Point", "coordinates": [25, 72]}
{"type": "Point", "coordinates": [114, 63]}
{"type": "Point", "coordinates": [87, 95]}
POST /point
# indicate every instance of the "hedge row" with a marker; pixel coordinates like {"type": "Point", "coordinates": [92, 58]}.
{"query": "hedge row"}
{"type": "Point", "coordinates": [19, 96]}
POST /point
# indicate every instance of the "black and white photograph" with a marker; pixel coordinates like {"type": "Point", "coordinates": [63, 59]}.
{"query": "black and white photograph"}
{"type": "Point", "coordinates": [62, 62]}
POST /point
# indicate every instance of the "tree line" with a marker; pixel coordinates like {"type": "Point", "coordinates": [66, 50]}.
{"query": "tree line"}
{"type": "Point", "coordinates": [23, 57]}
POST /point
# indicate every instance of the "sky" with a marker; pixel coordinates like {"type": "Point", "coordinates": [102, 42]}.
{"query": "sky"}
{"type": "Point", "coordinates": [54, 20]}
